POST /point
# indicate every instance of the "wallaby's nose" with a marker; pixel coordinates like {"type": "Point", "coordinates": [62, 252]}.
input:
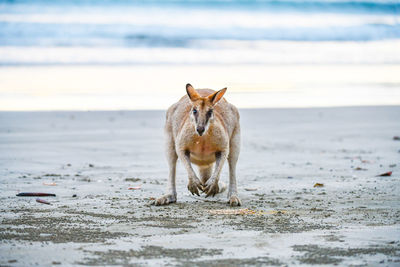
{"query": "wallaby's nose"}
{"type": "Point", "coordinates": [200, 130]}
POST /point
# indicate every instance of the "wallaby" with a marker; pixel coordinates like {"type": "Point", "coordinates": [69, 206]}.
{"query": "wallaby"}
{"type": "Point", "coordinates": [202, 128]}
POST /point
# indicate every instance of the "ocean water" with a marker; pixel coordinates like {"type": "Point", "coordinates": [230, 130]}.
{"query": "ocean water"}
{"type": "Point", "coordinates": [199, 32]}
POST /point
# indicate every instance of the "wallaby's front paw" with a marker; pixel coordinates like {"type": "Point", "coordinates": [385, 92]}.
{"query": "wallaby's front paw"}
{"type": "Point", "coordinates": [194, 185]}
{"type": "Point", "coordinates": [165, 200]}
{"type": "Point", "coordinates": [234, 201]}
{"type": "Point", "coordinates": [211, 188]}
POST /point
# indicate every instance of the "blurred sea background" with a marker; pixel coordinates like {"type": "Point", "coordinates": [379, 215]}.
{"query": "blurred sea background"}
{"type": "Point", "coordinates": [110, 55]}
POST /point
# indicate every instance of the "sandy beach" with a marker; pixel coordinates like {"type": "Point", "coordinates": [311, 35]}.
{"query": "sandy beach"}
{"type": "Point", "coordinates": [106, 166]}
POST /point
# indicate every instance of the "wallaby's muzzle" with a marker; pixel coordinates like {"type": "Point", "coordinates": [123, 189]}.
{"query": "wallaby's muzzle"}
{"type": "Point", "coordinates": [200, 130]}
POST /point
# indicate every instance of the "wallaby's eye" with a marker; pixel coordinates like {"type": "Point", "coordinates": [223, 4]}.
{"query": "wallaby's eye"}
{"type": "Point", "coordinates": [209, 113]}
{"type": "Point", "coordinates": [194, 111]}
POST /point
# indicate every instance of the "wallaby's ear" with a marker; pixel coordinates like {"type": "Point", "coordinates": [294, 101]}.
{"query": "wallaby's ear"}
{"type": "Point", "coordinates": [215, 97]}
{"type": "Point", "coordinates": [192, 93]}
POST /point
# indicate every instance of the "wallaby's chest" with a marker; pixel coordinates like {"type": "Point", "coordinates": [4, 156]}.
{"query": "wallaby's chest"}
{"type": "Point", "coordinates": [202, 151]}
{"type": "Point", "coordinates": [202, 146]}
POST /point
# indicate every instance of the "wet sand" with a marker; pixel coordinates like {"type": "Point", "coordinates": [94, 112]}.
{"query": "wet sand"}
{"type": "Point", "coordinates": [138, 87]}
{"type": "Point", "coordinates": [353, 219]}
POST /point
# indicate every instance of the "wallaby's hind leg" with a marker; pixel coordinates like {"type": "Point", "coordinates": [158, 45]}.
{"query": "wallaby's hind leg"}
{"type": "Point", "coordinates": [172, 157]}
{"type": "Point", "coordinates": [234, 150]}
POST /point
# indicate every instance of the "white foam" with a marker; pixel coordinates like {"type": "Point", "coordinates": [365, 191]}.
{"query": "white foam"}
{"type": "Point", "coordinates": [218, 52]}
{"type": "Point", "coordinates": [203, 19]}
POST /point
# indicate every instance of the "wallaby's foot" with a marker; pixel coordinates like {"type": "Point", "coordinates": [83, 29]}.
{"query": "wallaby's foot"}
{"type": "Point", "coordinates": [234, 201]}
{"type": "Point", "coordinates": [165, 200]}
{"type": "Point", "coordinates": [194, 185]}
{"type": "Point", "coordinates": [211, 188]}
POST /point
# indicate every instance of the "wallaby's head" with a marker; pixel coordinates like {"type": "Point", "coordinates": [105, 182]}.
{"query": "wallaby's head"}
{"type": "Point", "coordinates": [202, 112]}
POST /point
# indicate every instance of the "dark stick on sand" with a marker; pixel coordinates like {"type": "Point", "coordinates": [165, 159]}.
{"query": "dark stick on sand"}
{"type": "Point", "coordinates": [35, 195]}
{"type": "Point", "coordinates": [43, 201]}
{"type": "Point", "coordinates": [386, 174]}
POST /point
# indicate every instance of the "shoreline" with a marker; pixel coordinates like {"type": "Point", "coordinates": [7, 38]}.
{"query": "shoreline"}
{"type": "Point", "coordinates": [157, 87]}
{"type": "Point", "coordinates": [164, 110]}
